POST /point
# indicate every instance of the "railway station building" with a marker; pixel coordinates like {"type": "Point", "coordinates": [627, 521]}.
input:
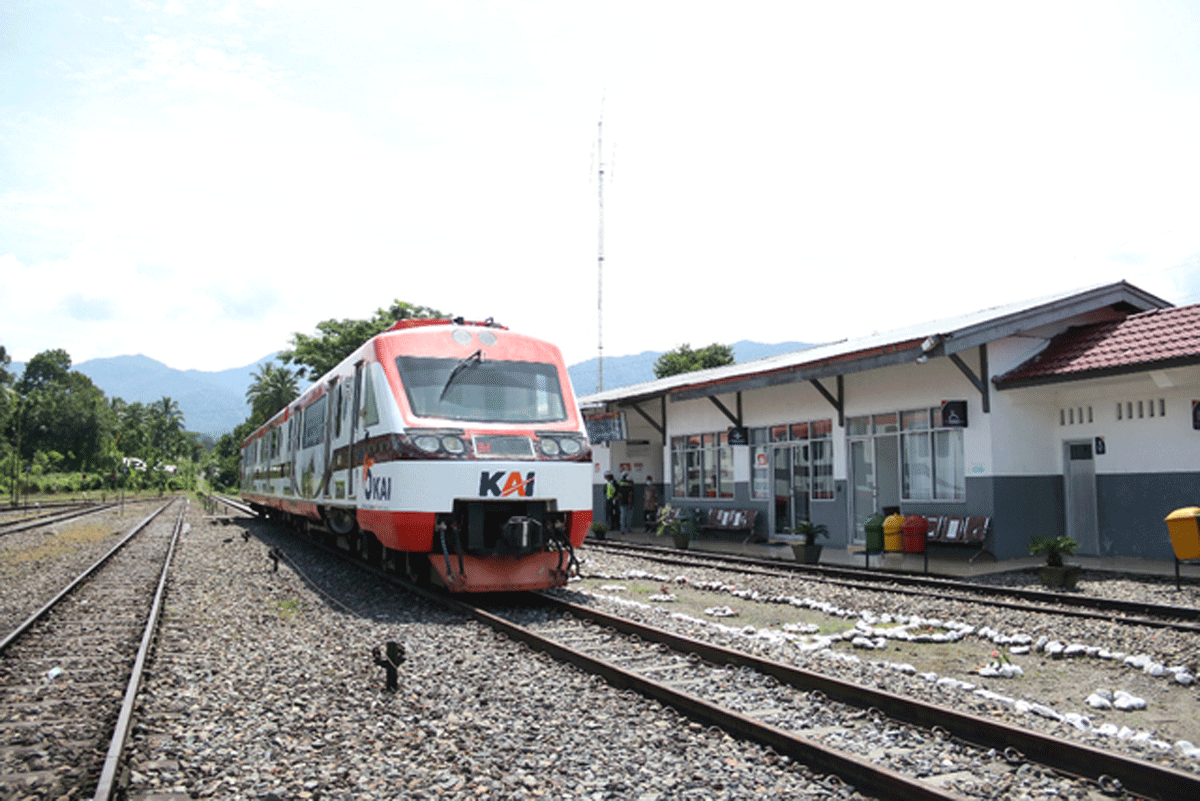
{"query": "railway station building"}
{"type": "Point", "coordinates": [1076, 414]}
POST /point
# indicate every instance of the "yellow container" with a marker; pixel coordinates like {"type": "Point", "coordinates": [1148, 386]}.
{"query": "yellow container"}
{"type": "Point", "coordinates": [1184, 527]}
{"type": "Point", "coordinates": [893, 533]}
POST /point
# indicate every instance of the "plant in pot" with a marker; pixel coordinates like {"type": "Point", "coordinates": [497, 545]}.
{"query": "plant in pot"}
{"type": "Point", "coordinates": [809, 552]}
{"type": "Point", "coordinates": [674, 523]}
{"type": "Point", "coordinates": [599, 530]}
{"type": "Point", "coordinates": [1055, 573]}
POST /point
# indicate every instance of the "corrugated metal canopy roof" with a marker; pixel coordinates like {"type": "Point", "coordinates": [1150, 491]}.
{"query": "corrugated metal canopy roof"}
{"type": "Point", "coordinates": [898, 346]}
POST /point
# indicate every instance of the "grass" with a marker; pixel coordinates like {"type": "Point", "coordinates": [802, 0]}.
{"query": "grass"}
{"type": "Point", "coordinates": [61, 542]}
{"type": "Point", "coordinates": [288, 609]}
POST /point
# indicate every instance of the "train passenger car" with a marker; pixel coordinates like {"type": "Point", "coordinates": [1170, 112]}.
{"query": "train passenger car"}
{"type": "Point", "coordinates": [453, 451]}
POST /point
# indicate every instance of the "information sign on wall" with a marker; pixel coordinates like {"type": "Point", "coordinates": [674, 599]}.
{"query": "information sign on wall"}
{"type": "Point", "coordinates": [605, 427]}
{"type": "Point", "coordinates": [954, 414]}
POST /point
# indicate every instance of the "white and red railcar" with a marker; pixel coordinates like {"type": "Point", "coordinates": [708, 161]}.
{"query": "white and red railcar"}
{"type": "Point", "coordinates": [451, 450]}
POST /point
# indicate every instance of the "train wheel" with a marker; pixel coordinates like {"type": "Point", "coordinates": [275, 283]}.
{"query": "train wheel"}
{"type": "Point", "coordinates": [341, 521]}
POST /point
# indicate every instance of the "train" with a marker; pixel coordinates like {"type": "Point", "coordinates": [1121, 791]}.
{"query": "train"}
{"type": "Point", "coordinates": [448, 450]}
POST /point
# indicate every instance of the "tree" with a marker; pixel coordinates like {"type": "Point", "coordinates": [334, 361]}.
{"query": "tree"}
{"type": "Point", "coordinates": [166, 428]}
{"type": "Point", "coordinates": [8, 396]}
{"type": "Point", "coordinates": [272, 389]}
{"type": "Point", "coordinates": [62, 411]}
{"type": "Point", "coordinates": [684, 360]}
{"type": "Point", "coordinates": [46, 368]}
{"type": "Point", "coordinates": [317, 355]}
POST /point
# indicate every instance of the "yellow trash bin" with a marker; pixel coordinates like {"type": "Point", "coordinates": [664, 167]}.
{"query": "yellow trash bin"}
{"type": "Point", "coordinates": [893, 533]}
{"type": "Point", "coordinates": [1184, 527]}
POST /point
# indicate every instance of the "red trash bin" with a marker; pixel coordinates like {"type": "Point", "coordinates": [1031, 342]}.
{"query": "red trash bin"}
{"type": "Point", "coordinates": [915, 528]}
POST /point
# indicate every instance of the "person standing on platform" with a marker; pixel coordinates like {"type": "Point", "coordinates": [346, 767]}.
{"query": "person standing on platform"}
{"type": "Point", "coordinates": [610, 501]}
{"type": "Point", "coordinates": [650, 506]}
{"type": "Point", "coordinates": [625, 499]}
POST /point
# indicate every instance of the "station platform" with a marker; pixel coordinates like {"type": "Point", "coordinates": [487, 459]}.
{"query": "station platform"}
{"type": "Point", "coordinates": [952, 562]}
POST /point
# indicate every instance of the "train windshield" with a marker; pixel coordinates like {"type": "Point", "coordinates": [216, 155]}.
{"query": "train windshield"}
{"type": "Point", "coordinates": [482, 390]}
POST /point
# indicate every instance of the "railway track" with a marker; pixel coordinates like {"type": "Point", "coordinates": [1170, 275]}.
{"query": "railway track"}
{"type": "Point", "coordinates": [902, 748]}
{"type": "Point", "coordinates": [50, 517]}
{"type": "Point", "coordinates": [70, 671]}
{"type": "Point", "coordinates": [1178, 618]}
{"type": "Point", "coordinates": [885, 745]}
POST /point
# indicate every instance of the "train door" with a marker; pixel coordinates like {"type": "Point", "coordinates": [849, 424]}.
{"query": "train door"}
{"type": "Point", "coordinates": [1079, 482]}
{"type": "Point", "coordinates": [355, 421]}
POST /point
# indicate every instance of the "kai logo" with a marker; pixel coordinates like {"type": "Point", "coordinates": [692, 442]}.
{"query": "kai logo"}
{"type": "Point", "coordinates": [376, 488]}
{"type": "Point", "coordinates": [514, 484]}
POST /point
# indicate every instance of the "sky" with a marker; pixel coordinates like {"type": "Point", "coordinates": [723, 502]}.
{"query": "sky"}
{"type": "Point", "coordinates": [199, 181]}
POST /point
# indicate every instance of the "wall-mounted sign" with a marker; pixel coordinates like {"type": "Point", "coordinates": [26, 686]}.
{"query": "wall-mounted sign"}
{"type": "Point", "coordinates": [605, 427]}
{"type": "Point", "coordinates": [954, 414]}
{"type": "Point", "coordinates": [739, 435]}
{"type": "Point", "coordinates": [1196, 415]}
{"type": "Point", "coordinates": [1100, 450]}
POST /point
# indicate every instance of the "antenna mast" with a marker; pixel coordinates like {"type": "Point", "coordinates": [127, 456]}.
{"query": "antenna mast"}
{"type": "Point", "coordinates": [600, 257]}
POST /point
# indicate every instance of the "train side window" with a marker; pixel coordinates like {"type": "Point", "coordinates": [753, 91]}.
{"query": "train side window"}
{"type": "Point", "coordinates": [314, 422]}
{"type": "Point", "coordinates": [370, 410]}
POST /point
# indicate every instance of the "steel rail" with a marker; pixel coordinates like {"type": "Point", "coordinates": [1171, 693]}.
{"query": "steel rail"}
{"type": "Point", "coordinates": [108, 775]}
{"type": "Point", "coordinates": [50, 518]}
{"type": "Point", "coordinates": [231, 503]}
{"type": "Point", "coordinates": [864, 775]}
{"type": "Point", "coordinates": [884, 782]}
{"type": "Point", "coordinates": [1071, 759]}
{"type": "Point", "coordinates": [40, 613]}
{"type": "Point", "coordinates": [1089, 606]}
{"type": "Point", "coordinates": [1081, 761]}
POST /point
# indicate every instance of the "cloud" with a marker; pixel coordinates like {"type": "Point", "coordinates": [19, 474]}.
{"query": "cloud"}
{"type": "Point", "coordinates": [88, 309]}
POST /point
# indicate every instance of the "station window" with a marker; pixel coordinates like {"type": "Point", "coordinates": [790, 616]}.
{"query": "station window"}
{"type": "Point", "coordinates": [702, 466]}
{"type": "Point", "coordinates": [931, 458]}
{"type": "Point", "coordinates": [807, 469]}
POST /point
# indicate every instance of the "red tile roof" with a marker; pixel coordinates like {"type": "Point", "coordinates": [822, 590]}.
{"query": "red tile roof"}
{"type": "Point", "coordinates": [1145, 341]}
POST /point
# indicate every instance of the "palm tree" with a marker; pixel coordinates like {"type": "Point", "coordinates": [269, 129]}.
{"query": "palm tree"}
{"type": "Point", "coordinates": [166, 422]}
{"type": "Point", "coordinates": [272, 389]}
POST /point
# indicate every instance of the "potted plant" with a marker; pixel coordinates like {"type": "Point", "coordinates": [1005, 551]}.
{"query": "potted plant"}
{"type": "Point", "coordinates": [809, 552]}
{"type": "Point", "coordinates": [599, 530]}
{"type": "Point", "coordinates": [1055, 573]}
{"type": "Point", "coordinates": [674, 523]}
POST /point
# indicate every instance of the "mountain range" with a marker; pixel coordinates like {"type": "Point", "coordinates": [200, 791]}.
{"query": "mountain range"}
{"type": "Point", "coordinates": [213, 403]}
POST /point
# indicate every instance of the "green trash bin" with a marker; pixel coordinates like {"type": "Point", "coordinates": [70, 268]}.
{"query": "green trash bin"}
{"type": "Point", "coordinates": [874, 531]}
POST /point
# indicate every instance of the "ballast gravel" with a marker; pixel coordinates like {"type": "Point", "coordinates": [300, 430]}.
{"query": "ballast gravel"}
{"type": "Point", "coordinates": [263, 686]}
{"type": "Point", "coordinates": [1073, 661]}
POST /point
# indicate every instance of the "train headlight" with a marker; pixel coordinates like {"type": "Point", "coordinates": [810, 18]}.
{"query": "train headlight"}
{"type": "Point", "coordinates": [570, 447]}
{"type": "Point", "coordinates": [550, 447]}
{"type": "Point", "coordinates": [427, 442]}
{"type": "Point", "coordinates": [453, 445]}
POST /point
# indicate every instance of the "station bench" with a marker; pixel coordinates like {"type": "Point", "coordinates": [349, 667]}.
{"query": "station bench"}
{"type": "Point", "coordinates": [736, 520]}
{"type": "Point", "coordinates": [952, 530]}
